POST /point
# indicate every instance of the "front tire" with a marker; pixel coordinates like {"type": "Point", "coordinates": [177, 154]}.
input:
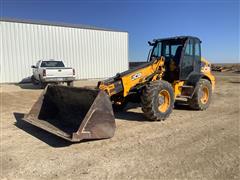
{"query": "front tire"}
{"type": "Point", "coordinates": [157, 100]}
{"type": "Point", "coordinates": [202, 95]}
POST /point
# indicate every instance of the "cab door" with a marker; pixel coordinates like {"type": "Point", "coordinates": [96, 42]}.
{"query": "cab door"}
{"type": "Point", "coordinates": [197, 56]}
{"type": "Point", "coordinates": [187, 61]}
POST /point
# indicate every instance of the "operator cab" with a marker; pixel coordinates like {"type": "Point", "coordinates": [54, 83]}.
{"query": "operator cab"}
{"type": "Point", "coordinates": [182, 56]}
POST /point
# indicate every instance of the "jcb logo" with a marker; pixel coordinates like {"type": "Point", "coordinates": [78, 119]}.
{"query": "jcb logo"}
{"type": "Point", "coordinates": [136, 76]}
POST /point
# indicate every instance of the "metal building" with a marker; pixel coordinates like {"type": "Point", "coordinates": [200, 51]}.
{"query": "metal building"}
{"type": "Point", "coordinates": [93, 52]}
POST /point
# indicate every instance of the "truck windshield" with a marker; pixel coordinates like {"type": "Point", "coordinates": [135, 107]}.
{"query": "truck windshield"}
{"type": "Point", "coordinates": [52, 64]}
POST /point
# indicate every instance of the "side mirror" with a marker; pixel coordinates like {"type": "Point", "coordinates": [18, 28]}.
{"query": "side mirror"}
{"type": "Point", "coordinates": [33, 66]}
{"type": "Point", "coordinates": [150, 43]}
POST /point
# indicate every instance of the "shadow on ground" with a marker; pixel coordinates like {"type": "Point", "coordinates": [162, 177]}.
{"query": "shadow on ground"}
{"type": "Point", "coordinates": [57, 142]}
{"type": "Point", "coordinates": [237, 72]}
{"type": "Point", "coordinates": [48, 138]}
{"type": "Point", "coordinates": [28, 86]}
{"type": "Point", "coordinates": [130, 116]}
{"type": "Point", "coordinates": [182, 105]}
{"type": "Point", "coordinates": [38, 133]}
{"type": "Point", "coordinates": [235, 82]}
{"type": "Point", "coordinates": [127, 115]}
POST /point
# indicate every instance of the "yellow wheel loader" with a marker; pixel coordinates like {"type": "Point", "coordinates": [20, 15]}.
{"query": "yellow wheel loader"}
{"type": "Point", "coordinates": [174, 70]}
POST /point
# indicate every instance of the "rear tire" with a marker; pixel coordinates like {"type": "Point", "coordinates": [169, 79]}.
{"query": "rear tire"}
{"type": "Point", "coordinates": [157, 100]}
{"type": "Point", "coordinates": [202, 95]}
{"type": "Point", "coordinates": [70, 83]}
{"type": "Point", "coordinates": [34, 81]}
{"type": "Point", "coordinates": [43, 85]}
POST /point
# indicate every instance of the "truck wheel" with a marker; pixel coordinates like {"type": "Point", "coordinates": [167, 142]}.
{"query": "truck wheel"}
{"type": "Point", "coordinates": [43, 85]}
{"type": "Point", "coordinates": [202, 95]}
{"type": "Point", "coordinates": [157, 100]}
{"type": "Point", "coordinates": [33, 80]}
{"type": "Point", "coordinates": [70, 83]}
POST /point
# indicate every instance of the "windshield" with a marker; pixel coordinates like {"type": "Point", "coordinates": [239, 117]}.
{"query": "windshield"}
{"type": "Point", "coordinates": [52, 64]}
{"type": "Point", "coordinates": [156, 52]}
{"type": "Point", "coordinates": [167, 48]}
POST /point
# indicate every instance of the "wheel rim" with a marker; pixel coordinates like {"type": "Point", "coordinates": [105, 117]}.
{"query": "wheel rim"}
{"type": "Point", "coordinates": [164, 101]}
{"type": "Point", "coordinates": [205, 95]}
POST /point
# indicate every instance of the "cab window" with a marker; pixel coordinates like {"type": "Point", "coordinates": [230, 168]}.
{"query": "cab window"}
{"type": "Point", "coordinates": [189, 49]}
{"type": "Point", "coordinates": [167, 51]}
{"type": "Point", "coordinates": [197, 49]}
{"type": "Point", "coordinates": [52, 64]}
{"type": "Point", "coordinates": [157, 50]}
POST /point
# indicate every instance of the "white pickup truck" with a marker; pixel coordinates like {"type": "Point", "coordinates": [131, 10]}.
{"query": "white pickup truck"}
{"type": "Point", "coordinates": [51, 71]}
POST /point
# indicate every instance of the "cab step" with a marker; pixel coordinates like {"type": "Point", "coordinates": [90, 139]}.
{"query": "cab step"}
{"type": "Point", "coordinates": [187, 91]}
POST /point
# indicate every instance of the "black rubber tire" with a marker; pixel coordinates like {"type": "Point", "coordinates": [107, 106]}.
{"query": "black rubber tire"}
{"type": "Point", "coordinates": [150, 100]}
{"type": "Point", "coordinates": [195, 102]}
{"type": "Point", "coordinates": [34, 81]}
{"type": "Point", "coordinates": [70, 83]}
{"type": "Point", "coordinates": [43, 85]}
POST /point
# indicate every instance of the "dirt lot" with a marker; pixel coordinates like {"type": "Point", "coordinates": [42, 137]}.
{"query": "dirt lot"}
{"type": "Point", "coordinates": [188, 145]}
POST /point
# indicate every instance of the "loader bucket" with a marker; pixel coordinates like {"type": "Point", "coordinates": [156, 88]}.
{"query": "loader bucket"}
{"type": "Point", "coordinates": [73, 113]}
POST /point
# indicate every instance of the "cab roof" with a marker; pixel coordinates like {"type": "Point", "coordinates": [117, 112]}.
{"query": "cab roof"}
{"type": "Point", "coordinates": [177, 38]}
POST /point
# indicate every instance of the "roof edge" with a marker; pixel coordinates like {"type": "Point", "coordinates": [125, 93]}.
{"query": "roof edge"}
{"type": "Point", "coordinates": [48, 23]}
{"type": "Point", "coordinates": [177, 37]}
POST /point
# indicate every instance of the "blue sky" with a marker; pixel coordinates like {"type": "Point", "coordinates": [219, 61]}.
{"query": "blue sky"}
{"type": "Point", "coordinates": [215, 22]}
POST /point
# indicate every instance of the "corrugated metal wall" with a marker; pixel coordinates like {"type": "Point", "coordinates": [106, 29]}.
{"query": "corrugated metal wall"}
{"type": "Point", "coordinates": [93, 53]}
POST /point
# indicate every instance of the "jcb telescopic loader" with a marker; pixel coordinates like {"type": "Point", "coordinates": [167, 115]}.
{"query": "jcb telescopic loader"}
{"type": "Point", "coordinates": [173, 71]}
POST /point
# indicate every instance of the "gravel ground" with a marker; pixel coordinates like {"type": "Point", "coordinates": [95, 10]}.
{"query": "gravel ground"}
{"type": "Point", "coordinates": [188, 145]}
